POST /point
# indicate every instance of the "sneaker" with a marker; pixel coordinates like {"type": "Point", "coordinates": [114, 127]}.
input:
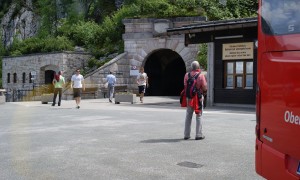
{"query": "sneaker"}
{"type": "Point", "coordinates": [53, 105]}
{"type": "Point", "coordinates": [78, 107]}
{"type": "Point", "coordinates": [200, 138]}
{"type": "Point", "coordinates": [110, 101]}
{"type": "Point", "coordinates": [186, 138]}
{"type": "Point", "coordinates": [58, 104]}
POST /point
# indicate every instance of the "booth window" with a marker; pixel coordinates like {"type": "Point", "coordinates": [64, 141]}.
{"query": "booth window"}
{"type": "Point", "coordinates": [8, 77]}
{"type": "Point", "coordinates": [238, 74]}
{"type": "Point", "coordinates": [24, 77]}
{"type": "Point", "coordinates": [15, 77]}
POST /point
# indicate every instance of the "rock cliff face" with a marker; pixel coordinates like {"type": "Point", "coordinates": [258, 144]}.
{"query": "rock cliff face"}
{"type": "Point", "coordinates": [24, 23]}
{"type": "Point", "coordinates": [21, 25]}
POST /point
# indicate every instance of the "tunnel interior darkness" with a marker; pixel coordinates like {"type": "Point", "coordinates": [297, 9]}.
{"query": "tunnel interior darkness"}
{"type": "Point", "coordinates": [49, 75]}
{"type": "Point", "coordinates": [165, 69]}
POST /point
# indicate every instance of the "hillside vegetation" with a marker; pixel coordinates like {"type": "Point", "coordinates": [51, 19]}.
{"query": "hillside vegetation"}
{"type": "Point", "coordinates": [98, 25]}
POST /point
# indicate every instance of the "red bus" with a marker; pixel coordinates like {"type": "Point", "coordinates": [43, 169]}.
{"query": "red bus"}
{"type": "Point", "coordinates": [278, 90]}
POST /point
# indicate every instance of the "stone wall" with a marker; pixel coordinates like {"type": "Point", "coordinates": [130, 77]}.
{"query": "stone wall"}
{"type": "Point", "coordinates": [64, 61]}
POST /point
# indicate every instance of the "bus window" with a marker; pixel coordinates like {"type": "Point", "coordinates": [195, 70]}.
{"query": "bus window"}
{"type": "Point", "coordinates": [280, 17]}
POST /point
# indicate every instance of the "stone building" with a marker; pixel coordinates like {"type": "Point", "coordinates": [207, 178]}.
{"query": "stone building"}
{"type": "Point", "coordinates": [24, 72]}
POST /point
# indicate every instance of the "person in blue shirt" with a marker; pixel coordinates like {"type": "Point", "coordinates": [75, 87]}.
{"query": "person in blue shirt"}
{"type": "Point", "coordinates": [111, 80]}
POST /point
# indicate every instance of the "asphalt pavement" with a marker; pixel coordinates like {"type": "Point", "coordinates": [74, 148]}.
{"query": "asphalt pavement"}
{"type": "Point", "coordinates": [103, 140]}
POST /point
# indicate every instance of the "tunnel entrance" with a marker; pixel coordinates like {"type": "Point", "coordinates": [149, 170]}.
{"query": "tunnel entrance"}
{"type": "Point", "coordinates": [165, 69]}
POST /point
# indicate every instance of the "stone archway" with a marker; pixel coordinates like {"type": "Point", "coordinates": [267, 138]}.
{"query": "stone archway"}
{"type": "Point", "coordinates": [165, 69]}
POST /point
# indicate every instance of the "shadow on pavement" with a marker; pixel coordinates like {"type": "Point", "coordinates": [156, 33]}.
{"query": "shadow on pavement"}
{"type": "Point", "coordinates": [162, 141]}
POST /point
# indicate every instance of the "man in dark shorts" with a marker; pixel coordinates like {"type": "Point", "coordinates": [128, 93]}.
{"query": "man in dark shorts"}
{"type": "Point", "coordinates": [77, 83]}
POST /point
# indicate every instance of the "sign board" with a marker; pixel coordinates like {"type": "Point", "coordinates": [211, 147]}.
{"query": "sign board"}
{"type": "Point", "coordinates": [134, 71]}
{"type": "Point", "coordinates": [234, 51]}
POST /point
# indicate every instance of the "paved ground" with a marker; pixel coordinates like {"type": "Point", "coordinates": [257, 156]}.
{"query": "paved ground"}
{"type": "Point", "coordinates": [102, 140]}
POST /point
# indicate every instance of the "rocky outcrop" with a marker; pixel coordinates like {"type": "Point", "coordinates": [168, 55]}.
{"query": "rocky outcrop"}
{"type": "Point", "coordinates": [21, 25]}
{"type": "Point", "coordinates": [25, 23]}
{"type": "Point", "coordinates": [119, 3]}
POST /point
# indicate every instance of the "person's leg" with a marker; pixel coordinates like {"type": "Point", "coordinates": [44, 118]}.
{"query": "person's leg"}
{"type": "Point", "coordinates": [199, 134]}
{"type": "Point", "coordinates": [75, 93]}
{"type": "Point", "coordinates": [188, 122]}
{"type": "Point", "coordinates": [54, 97]}
{"type": "Point", "coordinates": [59, 96]}
{"type": "Point", "coordinates": [198, 126]}
{"type": "Point", "coordinates": [142, 93]}
{"type": "Point", "coordinates": [141, 97]}
{"type": "Point", "coordinates": [110, 93]}
{"type": "Point", "coordinates": [79, 98]}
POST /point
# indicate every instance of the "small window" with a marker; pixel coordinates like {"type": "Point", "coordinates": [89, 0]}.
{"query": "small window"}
{"type": "Point", "coordinates": [249, 75]}
{"type": "Point", "coordinates": [238, 74]}
{"type": "Point", "coordinates": [30, 76]}
{"type": "Point", "coordinates": [8, 77]}
{"type": "Point", "coordinates": [24, 77]}
{"type": "Point", "coordinates": [15, 77]}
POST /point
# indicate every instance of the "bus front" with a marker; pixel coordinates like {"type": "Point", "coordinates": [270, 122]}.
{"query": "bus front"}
{"type": "Point", "coordinates": [278, 90]}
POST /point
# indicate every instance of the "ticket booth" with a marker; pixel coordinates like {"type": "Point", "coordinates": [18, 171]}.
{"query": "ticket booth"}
{"type": "Point", "coordinates": [232, 49]}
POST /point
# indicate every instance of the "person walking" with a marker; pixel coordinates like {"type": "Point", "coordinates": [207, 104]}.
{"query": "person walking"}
{"type": "Point", "coordinates": [142, 81]}
{"type": "Point", "coordinates": [111, 80]}
{"type": "Point", "coordinates": [58, 82]}
{"type": "Point", "coordinates": [78, 85]}
{"type": "Point", "coordinates": [195, 104]}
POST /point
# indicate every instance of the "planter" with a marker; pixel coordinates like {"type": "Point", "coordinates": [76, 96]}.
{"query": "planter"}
{"type": "Point", "coordinates": [125, 98]}
{"type": "Point", "coordinates": [2, 96]}
{"type": "Point", "coordinates": [45, 98]}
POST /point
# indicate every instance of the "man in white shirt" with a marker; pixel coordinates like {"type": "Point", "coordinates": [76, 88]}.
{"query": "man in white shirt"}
{"type": "Point", "coordinates": [142, 81]}
{"type": "Point", "coordinates": [77, 83]}
{"type": "Point", "coordinates": [111, 80]}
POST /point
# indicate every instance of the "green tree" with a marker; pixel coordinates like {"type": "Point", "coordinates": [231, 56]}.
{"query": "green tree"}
{"type": "Point", "coordinates": [49, 11]}
{"type": "Point", "coordinates": [214, 10]}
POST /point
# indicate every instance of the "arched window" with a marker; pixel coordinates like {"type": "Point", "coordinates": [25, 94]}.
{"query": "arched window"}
{"type": "Point", "coordinates": [8, 77]}
{"type": "Point", "coordinates": [24, 77]}
{"type": "Point", "coordinates": [30, 76]}
{"type": "Point", "coordinates": [15, 77]}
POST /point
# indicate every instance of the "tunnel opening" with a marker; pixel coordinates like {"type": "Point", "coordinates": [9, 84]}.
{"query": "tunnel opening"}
{"type": "Point", "coordinates": [165, 69]}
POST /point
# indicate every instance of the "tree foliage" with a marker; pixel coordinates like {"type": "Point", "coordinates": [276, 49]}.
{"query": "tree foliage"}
{"type": "Point", "coordinates": [214, 10]}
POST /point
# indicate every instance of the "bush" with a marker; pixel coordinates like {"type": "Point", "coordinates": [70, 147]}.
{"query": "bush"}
{"type": "Point", "coordinates": [202, 56]}
{"type": "Point", "coordinates": [37, 45]}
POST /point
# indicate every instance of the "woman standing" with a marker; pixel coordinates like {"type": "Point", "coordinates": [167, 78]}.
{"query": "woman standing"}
{"type": "Point", "coordinates": [58, 83]}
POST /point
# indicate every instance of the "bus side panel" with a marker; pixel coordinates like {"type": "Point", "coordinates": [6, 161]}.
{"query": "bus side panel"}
{"type": "Point", "coordinates": [274, 164]}
{"type": "Point", "coordinates": [280, 115]}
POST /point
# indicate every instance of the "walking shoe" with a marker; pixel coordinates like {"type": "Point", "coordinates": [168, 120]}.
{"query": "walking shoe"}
{"type": "Point", "coordinates": [186, 138]}
{"type": "Point", "coordinates": [53, 105]}
{"type": "Point", "coordinates": [200, 138]}
{"type": "Point", "coordinates": [78, 107]}
{"type": "Point", "coordinates": [58, 104]}
{"type": "Point", "coordinates": [110, 101]}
